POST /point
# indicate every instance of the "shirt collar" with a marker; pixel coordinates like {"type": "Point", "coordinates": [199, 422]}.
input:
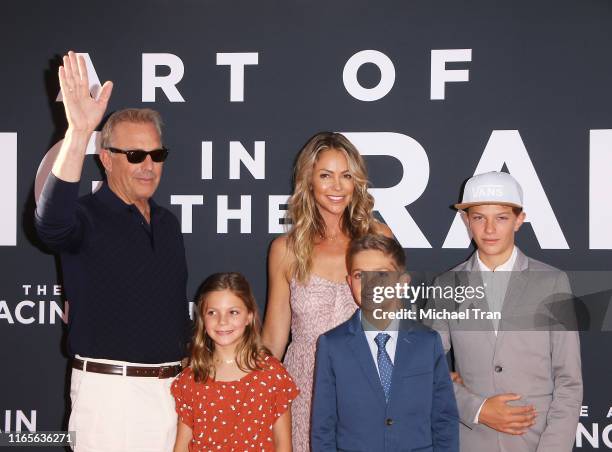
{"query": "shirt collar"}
{"type": "Point", "coordinates": [371, 331]}
{"type": "Point", "coordinates": [110, 199]}
{"type": "Point", "coordinates": [505, 267]}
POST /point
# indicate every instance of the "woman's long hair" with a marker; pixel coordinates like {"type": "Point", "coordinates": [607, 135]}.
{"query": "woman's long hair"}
{"type": "Point", "coordinates": [307, 222]}
{"type": "Point", "coordinates": [249, 352]}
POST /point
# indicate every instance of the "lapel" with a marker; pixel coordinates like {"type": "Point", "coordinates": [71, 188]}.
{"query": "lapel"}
{"type": "Point", "coordinates": [516, 287]}
{"type": "Point", "coordinates": [359, 345]}
{"type": "Point", "coordinates": [471, 276]}
{"type": "Point", "coordinates": [404, 356]}
{"type": "Point", "coordinates": [474, 279]}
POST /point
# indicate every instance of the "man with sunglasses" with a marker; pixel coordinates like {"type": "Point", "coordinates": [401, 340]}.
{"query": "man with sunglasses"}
{"type": "Point", "coordinates": [124, 273]}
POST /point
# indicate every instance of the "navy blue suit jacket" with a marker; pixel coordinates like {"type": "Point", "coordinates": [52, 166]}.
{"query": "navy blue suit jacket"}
{"type": "Point", "coordinates": [349, 410]}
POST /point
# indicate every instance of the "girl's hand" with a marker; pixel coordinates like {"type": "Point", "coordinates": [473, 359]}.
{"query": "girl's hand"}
{"type": "Point", "coordinates": [281, 432]}
{"type": "Point", "coordinates": [183, 438]}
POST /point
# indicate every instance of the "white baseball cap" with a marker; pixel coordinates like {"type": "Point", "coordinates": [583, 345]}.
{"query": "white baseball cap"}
{"type": "Point", "coordinates": [495, 187]}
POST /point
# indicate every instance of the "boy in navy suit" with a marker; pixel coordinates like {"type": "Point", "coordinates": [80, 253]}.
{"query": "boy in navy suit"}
{"type": "Point", "coordinates": [379, 387]}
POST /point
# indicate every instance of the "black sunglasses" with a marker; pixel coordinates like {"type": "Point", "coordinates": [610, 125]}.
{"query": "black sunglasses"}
{"type": "Point", "coordinates": [139, 156]}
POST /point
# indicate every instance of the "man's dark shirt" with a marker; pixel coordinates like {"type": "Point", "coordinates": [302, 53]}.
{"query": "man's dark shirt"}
{"type": "Point", "coordinates": [125, 279]}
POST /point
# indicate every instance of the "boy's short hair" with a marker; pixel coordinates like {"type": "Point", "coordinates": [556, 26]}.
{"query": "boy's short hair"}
{"type": "Point", "coordinates": [388, 246]}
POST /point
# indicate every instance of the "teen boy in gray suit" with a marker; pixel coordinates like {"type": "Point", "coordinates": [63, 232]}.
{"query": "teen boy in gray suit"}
{"type": "Point", "coordinates": [519, 387]}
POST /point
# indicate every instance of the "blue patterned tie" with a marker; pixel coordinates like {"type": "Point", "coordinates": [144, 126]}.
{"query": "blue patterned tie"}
{"type": "Point", "coordinates": [385, 366]}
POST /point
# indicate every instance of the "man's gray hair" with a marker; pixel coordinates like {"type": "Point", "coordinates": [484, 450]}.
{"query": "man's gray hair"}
{"type": "Point", "coordinates": [137, 115]}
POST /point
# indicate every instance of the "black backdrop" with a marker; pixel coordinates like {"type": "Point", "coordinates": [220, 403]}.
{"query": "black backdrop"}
{"type": "Point", "coordinates": [537, 103]}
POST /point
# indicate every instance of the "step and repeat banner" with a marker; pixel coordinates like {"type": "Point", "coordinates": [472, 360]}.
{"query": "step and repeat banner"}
{"type": "Point", "coordinates": [430, 92]}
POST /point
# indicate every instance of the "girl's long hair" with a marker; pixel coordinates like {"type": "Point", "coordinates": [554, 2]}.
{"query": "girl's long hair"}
{"type": "Point", "coordinates": [249, 352]}
{"type": "Point", "coordinates": [307, 223]}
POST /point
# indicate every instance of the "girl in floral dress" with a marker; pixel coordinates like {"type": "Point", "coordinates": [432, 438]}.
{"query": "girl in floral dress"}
{"type": "Point", "coordinates": [234, 395]}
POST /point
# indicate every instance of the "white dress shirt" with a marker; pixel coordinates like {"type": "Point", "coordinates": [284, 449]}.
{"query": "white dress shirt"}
{"type": "Point", "coordinates": [371, 332]}
{"type": "Point", "coordinates": [496, 292]}
{"type": "Point", "coordinates": [505, 267]}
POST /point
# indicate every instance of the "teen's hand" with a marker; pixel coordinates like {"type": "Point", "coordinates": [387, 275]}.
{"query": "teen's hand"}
{"type": "Point", "coordinates": [514, 420]}
{"type": "Point", "coordinates": [456, 378]}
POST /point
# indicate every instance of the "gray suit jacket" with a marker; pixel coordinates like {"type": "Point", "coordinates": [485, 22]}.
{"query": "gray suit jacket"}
{"type": "Point", "coordinates": [542, 366]}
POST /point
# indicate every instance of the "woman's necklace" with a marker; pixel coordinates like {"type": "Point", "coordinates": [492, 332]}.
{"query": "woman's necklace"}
{"type": "Point", "coordinates": [226, 361]}
{"type": "Point", "coordinates": [334, 237]}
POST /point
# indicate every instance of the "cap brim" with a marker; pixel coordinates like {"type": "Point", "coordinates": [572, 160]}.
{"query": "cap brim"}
{"type": "Point", "coordinates": [465, 205]}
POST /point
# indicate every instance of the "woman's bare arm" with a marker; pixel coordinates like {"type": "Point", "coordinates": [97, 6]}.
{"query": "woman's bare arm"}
{"type": "Point", "coordinates": [277, 323]}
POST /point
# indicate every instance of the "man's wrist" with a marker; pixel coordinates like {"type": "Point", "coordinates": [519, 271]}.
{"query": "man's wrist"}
{"type": "Point", "coordinates": [68, 164]}
{"type": "Point", "coordinates": [77, 135]}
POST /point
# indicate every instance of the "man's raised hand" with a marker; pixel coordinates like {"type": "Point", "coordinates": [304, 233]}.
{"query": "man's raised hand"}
{"type": "Point", "coordinates": [83, 112]}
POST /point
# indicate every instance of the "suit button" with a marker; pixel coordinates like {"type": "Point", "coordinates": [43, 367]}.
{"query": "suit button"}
{"type": "Point", "coordinates": [498, 369]}
{"type": "Point", "coordinates": [389, 421]}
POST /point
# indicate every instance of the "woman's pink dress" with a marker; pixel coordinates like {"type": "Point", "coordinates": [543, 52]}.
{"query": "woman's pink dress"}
{"type": "Point", "coordinates": [316, 307]}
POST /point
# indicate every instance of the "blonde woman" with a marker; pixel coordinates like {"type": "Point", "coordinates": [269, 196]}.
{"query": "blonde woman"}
{"type": "Point", "coordinates": [308, 294]}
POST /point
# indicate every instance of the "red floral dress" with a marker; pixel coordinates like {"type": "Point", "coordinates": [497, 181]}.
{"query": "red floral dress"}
{"type": "Point", "coordinates": [234, 415]}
